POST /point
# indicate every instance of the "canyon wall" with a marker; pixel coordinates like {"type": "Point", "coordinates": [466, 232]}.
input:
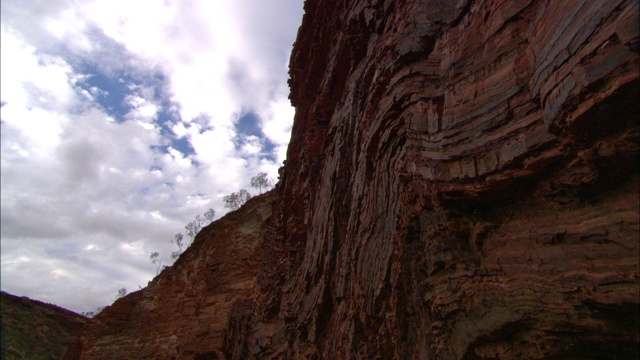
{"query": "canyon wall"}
{"type": "Point", "coordinates": [461, 182]}
{"type": "Point", "coordinates": [183, 312]}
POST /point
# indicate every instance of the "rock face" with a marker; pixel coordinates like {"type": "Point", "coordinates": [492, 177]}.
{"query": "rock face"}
{"type": "Point", "coordinates": [35, 330]}
{"type": "Point", "coordinates": [461, 182]}
{"type": "Point", "coordinates": [184, 312]}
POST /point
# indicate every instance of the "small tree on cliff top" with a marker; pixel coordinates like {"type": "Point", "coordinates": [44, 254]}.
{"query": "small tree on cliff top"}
{"type": "Point", "coordinates": [121, 293]}
{"type": "Point", "coordinates": [209, 215]}
{"type": "Point", "coordinates": [154, 257]}
{"type": "Point", "coordinates": [235, 200]}
{"type": "Point", "coordinates": [192, 229]}
{"type": "Point", "coordinates": [260, 181]}
{"type": "Point", "coordinates": [177, 239]}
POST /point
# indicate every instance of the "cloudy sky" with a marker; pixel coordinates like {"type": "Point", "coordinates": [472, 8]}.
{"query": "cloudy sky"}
{"type": "Point", "coordinates": [122, 121]}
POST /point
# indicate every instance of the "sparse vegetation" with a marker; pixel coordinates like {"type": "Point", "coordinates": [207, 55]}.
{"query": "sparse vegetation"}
{"type": "Point", "coordinates": [121, 293]}
{"type": "Point", "coordinates": [88, 314]}
{"type": "Point", "coordinates": [91, 314]}
{"type": "Point", "coordinates": [177, 239]}
{"type": "Point", "coordinates": [261, 181]}
{"type": "Point", "coordinates": [209, 215]}
{"type": "Point", "coordinates": [235, 200]}
{"type": "Point", "coordinates": [155, 259]}
{"type": "Point", "coordinates": [35, 330]}
{"type": "Point", "coordinates": [191, 230]}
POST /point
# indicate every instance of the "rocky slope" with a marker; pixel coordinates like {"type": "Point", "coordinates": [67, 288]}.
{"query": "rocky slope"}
{"type": "Point", "coordinates": [184, 311]}
{"type": "Point", "coordinates": [34, 330]}
{"type": "Point", "coordinates": [461, 182]}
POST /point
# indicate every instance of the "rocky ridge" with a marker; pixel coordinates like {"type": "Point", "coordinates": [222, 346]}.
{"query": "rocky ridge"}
{"type": "Point", "coordinates": [461, 182]}
{"type": "Point", "coordinates": [34, 330]}
{"type": "Point", "coordinates": [183, 312]}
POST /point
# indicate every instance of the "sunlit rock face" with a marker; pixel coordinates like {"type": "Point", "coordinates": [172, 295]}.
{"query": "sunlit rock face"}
{"type": "Point", "coordinates": [461, 182]}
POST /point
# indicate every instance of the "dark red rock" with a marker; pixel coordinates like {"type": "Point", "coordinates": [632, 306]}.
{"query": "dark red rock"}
{"type": "Point", "coordinates": [447, 192]}
{"type": "Point", "coordinates": [35, 330]}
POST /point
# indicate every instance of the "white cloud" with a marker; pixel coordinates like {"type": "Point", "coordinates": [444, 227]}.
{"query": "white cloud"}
{"type": "Point", "coordinates": [278, 121]}
{"type": "Point", "coordinates": [179, 129]}
{"type": "Point", "coordinates": [143, 109]}
{"type": "Point", "coordinates": [87, 194]}
{"type": "Point", "coordinates": [33, 88]}
{"type": "Point", "coordinates": [252, 145]}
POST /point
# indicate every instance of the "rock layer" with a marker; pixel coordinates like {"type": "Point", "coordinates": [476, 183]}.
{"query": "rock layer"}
{"type": "Point", "coordinates": [461, 182]}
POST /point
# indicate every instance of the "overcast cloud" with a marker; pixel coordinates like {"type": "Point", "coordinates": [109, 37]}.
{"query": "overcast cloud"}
{"type": "Point", "coordinates": [122, 121]}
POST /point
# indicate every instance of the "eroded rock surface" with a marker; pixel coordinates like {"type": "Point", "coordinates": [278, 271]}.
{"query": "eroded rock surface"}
{"type": "Point", "coordinates": [461, 182]}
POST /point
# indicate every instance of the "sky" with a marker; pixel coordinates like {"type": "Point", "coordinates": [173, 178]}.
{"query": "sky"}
{"type": "Point", "coordinates": [123, 120]}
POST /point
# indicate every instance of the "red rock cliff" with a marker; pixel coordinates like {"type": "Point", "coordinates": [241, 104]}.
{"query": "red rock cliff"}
{"type": "Point", "coordinates": [462, 182]}
{"type": "Point", "coordinates": [183, 313]}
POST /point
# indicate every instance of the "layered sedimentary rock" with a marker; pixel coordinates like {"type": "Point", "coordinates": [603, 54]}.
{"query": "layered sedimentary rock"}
{"type": "Point", "coordinates": [34, 330]}
{"type": "Point", "coordinates": [184, 311]}
{"type": "Point", "coordinates": [461, 182]}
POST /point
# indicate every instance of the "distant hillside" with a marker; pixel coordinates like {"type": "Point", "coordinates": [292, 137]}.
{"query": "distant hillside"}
{"type": "Point", "coordinates": [35, 330]}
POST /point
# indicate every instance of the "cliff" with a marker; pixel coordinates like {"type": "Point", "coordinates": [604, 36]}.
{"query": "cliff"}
{"type": "Point", "coordinates": [461, 182]}
{"type": "Point", "coordinates": [34, 330]}
{"type": "Point", "coordinates": [183, 312]}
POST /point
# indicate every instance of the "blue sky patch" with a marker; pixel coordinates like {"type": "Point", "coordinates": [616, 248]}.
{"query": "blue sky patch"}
{"type": "Point", "coordinates": [108, 92]}
{"type": "Point", "coordinates": [248, 124]}
{"type": "Point", "coordinates": [112, 92]}
{"type": "Point", "coordinates": [183, 145]}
